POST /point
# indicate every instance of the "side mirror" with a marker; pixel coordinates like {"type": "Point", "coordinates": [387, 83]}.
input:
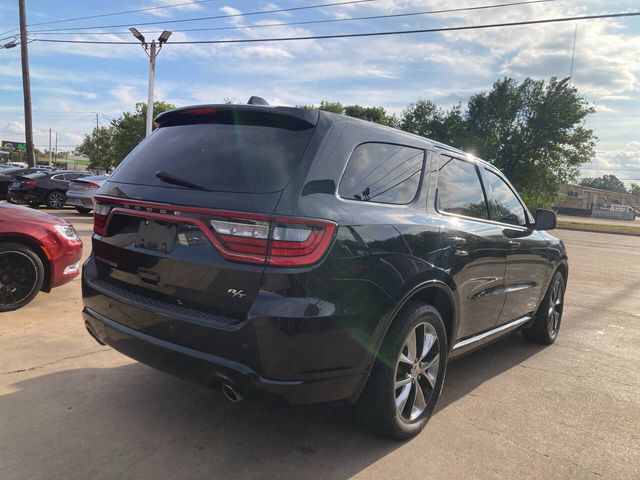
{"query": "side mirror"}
{"type": "Point", "coordinates": [545, 219]}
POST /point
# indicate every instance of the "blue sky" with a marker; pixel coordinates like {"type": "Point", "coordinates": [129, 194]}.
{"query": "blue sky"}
{"type": "Point", "coordinates": [72, 81]}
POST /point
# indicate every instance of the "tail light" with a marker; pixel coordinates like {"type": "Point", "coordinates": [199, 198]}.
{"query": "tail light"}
{"type": "Point", "coordinates": [100, 216]}
{"type": "Point", "coordinates": [89, 185]}
{"type": "Point", "coordinates": [278, 241]}
{"type": "Point", "coordinates": [29, 183]}
{"type": "Point", "coordinates": [239, 237]}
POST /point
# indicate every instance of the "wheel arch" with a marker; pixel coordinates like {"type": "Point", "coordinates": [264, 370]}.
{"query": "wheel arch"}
{"type": "Point", "coordinates": [37, 248]}
{"type": "Point", "coordinates": [436, 293]}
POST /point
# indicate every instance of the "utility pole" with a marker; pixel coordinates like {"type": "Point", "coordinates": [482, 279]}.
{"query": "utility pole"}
{"type": "Point", "coordinates": [152, 52]}
{"type": "Point", "coordinates": [97, 120]}
{"type": "Point", "coordinates": [56, 150]}
{"type": "Point", "coordinates": [26, 85]}
{"type": "Point", "coordinates": [50, 152]}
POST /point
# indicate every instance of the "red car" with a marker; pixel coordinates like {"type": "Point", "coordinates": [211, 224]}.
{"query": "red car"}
{"type": "Point", "coordinates": [37, 252]}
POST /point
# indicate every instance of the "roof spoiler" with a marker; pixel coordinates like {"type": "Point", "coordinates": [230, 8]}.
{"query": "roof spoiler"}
{"type": "Point", "coordinates": [287, 117]}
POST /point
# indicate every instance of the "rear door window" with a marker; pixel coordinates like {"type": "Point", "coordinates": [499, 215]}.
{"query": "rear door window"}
{"type": "Point", "coordinates": [238, 157]}
{"type": "Point", "coordinates": [460, 190]}
{"type": "Point", "coordinates": [383, 173]}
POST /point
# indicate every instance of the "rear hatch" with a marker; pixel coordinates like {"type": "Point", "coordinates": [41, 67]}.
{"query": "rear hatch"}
{"type": "Point", "coordinates": [195, 248]}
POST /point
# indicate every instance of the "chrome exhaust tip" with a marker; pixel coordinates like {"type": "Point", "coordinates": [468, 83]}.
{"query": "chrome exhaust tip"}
{"type": "Point", "coordinates": [231, 393]}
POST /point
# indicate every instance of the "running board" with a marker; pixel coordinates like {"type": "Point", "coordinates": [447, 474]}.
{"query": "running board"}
{"type": "Point", "coordinates": [490, 333]}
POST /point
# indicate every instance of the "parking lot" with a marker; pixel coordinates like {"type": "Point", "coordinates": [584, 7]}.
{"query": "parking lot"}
{"type": "Point", "coordinates": [74, 410]}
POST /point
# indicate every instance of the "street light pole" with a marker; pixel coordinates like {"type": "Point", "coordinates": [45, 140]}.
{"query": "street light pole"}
{"type": "Point", "coordinates": [152, 51]}
{"type": "Point", "coordinates": [152, 76]}
{"type": "Point", "coordinates": [26, 85]}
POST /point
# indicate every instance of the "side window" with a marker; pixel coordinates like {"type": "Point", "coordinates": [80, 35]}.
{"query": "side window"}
{"type": "Point", "coordinates": [503, 203]}
{"type": "Point", "coordinates": [460, 190]}
{"type": "Point", "coordinates": [60, 176]}
{"type": "Point", "coordinates": [384, 173]}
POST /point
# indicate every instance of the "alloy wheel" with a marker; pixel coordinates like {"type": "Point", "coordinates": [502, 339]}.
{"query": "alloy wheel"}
{"type": "Point", "coordinates": [18, 277]}
{"type": "Point", "coordinates": [555, 308]}
{"type": "Point", "coordinates": [416, 372]}
{"type": "Point", "coordinates": [56, 200]}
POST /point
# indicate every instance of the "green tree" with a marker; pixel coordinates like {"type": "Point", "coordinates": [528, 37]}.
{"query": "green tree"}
{"type": "Point", "coordinates": [129, 129]}
{"type": "Point", "coordinates": [534, 132]}
{"type": "Point", "coordinates": [607, 182]}
{"type": "Point", "coordinates": [371, 114]}
{"type": "Point", "coordinates": [98, 148]}
{"type": "Point", "coordinates": [635, 189]}
{"type": "Point", "coordinates": [425, 118]}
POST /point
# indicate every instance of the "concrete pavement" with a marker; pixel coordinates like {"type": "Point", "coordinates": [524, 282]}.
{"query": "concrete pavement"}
{"type": "Point", "coordinates": [74, 410]}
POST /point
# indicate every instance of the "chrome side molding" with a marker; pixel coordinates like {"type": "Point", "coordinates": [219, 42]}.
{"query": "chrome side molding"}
{"type": "Point", "coordinates": [501, 328]}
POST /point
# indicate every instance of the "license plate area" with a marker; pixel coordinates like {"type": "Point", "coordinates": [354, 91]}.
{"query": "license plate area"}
{"type": "Point", "coordinates": [156, 235]}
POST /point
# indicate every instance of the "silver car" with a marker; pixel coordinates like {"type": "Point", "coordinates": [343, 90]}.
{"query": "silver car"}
{"type": "Point", "coordinates": [82, 191]}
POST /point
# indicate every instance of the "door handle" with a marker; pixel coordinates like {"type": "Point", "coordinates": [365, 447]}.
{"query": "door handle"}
{"type": "Point", "coordinates": [513, 244]}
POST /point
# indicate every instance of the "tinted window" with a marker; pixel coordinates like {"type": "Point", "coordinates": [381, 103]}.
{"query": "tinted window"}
{"type": "Point", "coordinates": [504, 205]}
{"type": "Point", "coordinates": [460, 190]}
{"type": "Point", "coordinates": [223, 157]}
{"type": "Point", "coordinates": [382, 173]}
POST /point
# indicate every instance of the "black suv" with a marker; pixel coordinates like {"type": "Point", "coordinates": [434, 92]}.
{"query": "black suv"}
{"type": "Point", "coordinates": [314, 257]}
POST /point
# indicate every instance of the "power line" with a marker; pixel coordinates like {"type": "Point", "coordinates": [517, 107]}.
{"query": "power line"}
{"type": "Point", "coordinates": [161, 7]}
{"type": "Point", "coordinates": [308, 22]}
{"type": "Point", "coordinates": [369, 34]}
{"type": "Point", "coordinates": [214, 17]}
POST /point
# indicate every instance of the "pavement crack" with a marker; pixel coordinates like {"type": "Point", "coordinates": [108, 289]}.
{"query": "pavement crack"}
{"type": "Point", "coordinates": [44, 365]}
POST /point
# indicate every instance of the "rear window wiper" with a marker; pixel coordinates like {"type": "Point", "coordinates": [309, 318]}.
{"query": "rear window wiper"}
{"type": "Point", "coordinates": [176, 180]}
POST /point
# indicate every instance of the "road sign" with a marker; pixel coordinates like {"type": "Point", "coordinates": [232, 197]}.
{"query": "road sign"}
{"type": "Point", "coordinates": [14, 146]}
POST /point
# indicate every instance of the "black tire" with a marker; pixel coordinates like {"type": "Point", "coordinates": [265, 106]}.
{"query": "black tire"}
{"type": "Point", "coordinates": [21, 276]}
{"type": "Point", "coordinates": [83, 210]}
{"type": "Point", "coordinates": [546, 325]}
{"type": "Point", "coordinates": [380, 406]}
{"type": "Point", "coordinates": [55, 199]}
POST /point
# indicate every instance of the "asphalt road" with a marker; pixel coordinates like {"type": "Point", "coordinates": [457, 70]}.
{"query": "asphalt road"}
{"type": "Point", "coordinates": [74, 410]}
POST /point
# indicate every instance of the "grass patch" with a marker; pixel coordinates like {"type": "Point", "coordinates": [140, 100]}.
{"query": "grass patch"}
{"type": "Point", "coordinates": [599, 227]}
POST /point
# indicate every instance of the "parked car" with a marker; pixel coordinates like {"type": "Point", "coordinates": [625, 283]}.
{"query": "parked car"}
{"type": "Point", "coordinates": [315, 257]}
{"type": "Point", "coordinates": [7, 177]}
{"type": "Point", "coordinates": [38, 252]}
{"type": "Point", "coordinates": [47, 188]}
{"type": "Point", "coordinates": [82, 191]}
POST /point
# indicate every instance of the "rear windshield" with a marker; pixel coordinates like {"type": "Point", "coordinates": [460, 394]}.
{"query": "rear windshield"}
{"type": "Point", "coordinates": [219, 156]}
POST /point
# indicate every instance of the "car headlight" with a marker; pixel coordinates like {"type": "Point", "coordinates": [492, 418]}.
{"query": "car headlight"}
{"type": "Point", "coordinates": [67, 231]}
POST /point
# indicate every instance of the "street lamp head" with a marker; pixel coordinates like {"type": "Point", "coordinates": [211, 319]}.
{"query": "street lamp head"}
{"type": "Point", "coordinates": [164, 37]}
{"type": "Point", "coordinates": [137, 34]}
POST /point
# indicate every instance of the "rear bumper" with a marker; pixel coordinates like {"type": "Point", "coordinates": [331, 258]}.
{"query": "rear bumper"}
{"type": "Point", "coordinates": [213, 370]}
{"type": "Point", "coordinates": [78, 200]}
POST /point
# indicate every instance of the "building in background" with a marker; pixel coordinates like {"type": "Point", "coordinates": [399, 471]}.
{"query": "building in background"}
{"type": "Point", "coordinates": [587, 201]}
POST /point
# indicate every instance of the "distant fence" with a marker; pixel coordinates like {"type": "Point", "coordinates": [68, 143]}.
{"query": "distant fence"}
{"type": "Point", "coordinates": [576, 212]}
